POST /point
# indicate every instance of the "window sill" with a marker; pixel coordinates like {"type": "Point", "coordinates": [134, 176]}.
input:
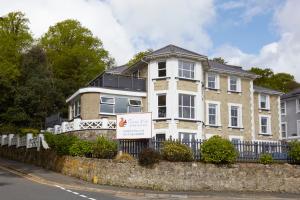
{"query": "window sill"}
{"type": "Point", "coordinates": [233, 127]}
{"type": "Point", "coordinates": [187, 79]}
{"type": "Point", "coordinates": [265, 134]}
{"type": "Point", "coordinates": [111, 114]}
{"type": "Point", "coordinates": [213, 89]}
{"type": "Point", "coordinates": [161, 119]}
{"type": "Point", "coordinates": [161, 78]}
{"type": "Point", "coordinates": [188, 120]}
{"type": "Point", "coordinates": [234, 92]}
{"type": "Point", "coordinates": [213, 126]}
{"type": "Point", "coordinates": [264, 109]}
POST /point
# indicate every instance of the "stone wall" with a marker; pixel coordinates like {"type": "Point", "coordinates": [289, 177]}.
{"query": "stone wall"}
{"type": "Point", "coordinates": [167, 176]}
{"type": "Point", "coordinates": [93, 134]}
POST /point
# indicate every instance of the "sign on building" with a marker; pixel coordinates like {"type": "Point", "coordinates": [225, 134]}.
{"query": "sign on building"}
{"type": "Point", "coordinates": [134, 126]}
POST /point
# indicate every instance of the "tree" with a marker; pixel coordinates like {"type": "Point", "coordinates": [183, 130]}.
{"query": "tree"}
{"type": "Point", "coordinates": [219, 60]}
{"type": "Point", "coordinates": [137, 57]}
{"type": "Point", "coordinates": [283, 82]}
{"type": "Point", "coordinates": [74, 54]}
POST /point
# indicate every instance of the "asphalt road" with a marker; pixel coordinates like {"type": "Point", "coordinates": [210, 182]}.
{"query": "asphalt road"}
{"type": "Point", "coordinates": [13, 187]}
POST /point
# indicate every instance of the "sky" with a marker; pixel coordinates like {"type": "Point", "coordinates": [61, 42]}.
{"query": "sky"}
{"type": "Point", "coordinates": [260, 33]}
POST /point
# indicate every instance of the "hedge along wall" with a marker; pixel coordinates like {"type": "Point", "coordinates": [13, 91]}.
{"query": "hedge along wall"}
{"type": "Point", "coordinates": [167, 176]}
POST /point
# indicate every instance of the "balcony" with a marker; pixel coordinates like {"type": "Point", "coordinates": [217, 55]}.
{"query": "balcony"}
{"type": "Point", "coordinates": [115, 81]}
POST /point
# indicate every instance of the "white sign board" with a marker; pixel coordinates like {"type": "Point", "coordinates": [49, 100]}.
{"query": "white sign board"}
{"type": "Point", "coordinates": [134, 126]}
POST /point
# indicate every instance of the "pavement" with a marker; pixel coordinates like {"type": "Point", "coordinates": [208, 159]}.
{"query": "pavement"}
{"type": "Point", "coordinates": [19, 181]}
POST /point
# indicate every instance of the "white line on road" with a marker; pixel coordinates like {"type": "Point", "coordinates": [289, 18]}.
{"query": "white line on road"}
{"type": "Point", "coordinates": [76, 193]}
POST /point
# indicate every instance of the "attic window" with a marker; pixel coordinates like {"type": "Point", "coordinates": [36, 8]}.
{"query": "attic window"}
{"type": "Point", "coordinates": [162, 71]}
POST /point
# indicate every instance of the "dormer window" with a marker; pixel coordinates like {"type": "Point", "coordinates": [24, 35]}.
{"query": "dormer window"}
{"type": "Point", "coordinates": [186, 69]}
{"type": "Point", "coordinates": [162, 69]}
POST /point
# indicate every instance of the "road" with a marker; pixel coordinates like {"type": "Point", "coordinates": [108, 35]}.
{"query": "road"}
{"type": "Point", "coordinates": [35, 183]}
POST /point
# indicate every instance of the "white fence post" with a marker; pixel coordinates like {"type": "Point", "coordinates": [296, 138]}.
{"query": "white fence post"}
{"type": "Point", "coordinates": [104, 123]}
{"type": "Point", "coordinates": [10, 136]}
{"type": "Point", "coordinates": [18, 141]}
{"type": "Point", "coordinates": [76, 125]}
{"type": "Point", "coordinates": [29, 136]}
{"type": "Point", "coordinates": [3, 140]}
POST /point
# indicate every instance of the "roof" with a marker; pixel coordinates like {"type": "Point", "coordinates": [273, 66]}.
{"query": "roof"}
{"type": "Point", "coordinates": [117, 69]}
{"type": "Point", "coordinates": [174, 50]}
{"type": "Point", "coordinates": [264, 90]}
{"type": "Point", "coordinates": [231, 69]}
{"type": "Point", "coordinates": [291, 94]}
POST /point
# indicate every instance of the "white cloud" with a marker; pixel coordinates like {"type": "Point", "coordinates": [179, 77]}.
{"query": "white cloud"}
{"type": "Point", "coordinates": [282, 55]}
{"type": "Point", "coordinates": [125, 27]}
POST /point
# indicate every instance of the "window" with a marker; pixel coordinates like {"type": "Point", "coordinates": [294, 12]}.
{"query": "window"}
{"type": "Point", "coordinates": [212, 114]}
{"type": "Point", "coordinates": [234, 84]}
{"type": "Point", "coordinates": [264, 101]}
{"type": "Point", "coordinates": [162, 108]}
{"type": "Point", "coordinates": [298, 105]}
{"type": "Point", "coordinates": [186, 69]}
{"type": "Point", "coordinates": [160, 137]}
{"type": "Point", "coordinates": [283, 107]}
{"type": "Point", "coordinates": [283, 129]}
{"type": "Point", "coordinates": [186, 106]}
{"type": "Point", "coordinates": [107, 105]}
{"type": "Point", "coordinates": [162, 72]}
{"type": "Point", "coordinates": [76, 108]}
{"type": "Point", "coordinates": [235, 116]}
{"type": "Point", "coordinates": [187, 137]}
{"type": "Point", "coordinates": [212, 81]}
{"type": "Point", "coordinates": [265, 126]}
{"type": "Point", "coordinates": [135, 105]}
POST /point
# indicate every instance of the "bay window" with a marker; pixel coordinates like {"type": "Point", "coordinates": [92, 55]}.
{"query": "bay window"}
{"type": "Point", "coordinates": [186, 69]}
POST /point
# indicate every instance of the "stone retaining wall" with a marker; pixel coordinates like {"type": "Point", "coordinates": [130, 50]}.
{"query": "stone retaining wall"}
{"type": "Point", "coordinates": [93, 134]}
{"type": "Point", "coordinates": [167, 176]}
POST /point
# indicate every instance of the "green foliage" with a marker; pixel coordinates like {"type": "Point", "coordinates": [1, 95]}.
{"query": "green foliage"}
{"type": "Point", "coordinates": [61, 143]}
{"type": "Point", "coordinates": [81, 148]}
{"type": "Point", "coordinates": [218, 150]}
{"type": "Point", "coordinates": [266, 159]}
{"type": "Point", "coordinates": [283, 82]}
{"type": "Point", "coordinates": [294, 151]}
{"type": "Point", "coordinates": [137, 57]}
{"type": "Point", "coordinates": [9, 128]}
{"type": "Point", "coordinates": [148, 157]}
{"type": "Point", "coordinates": [220, 60]}
{"type": "Point", "coordinates": [24, 131]}
{"type": "Point", "coordinates": [176, 152]}
{"type": "Point", "coordinates": [124, 157]}
{"type": "Point", "coordinates": [104, 148]}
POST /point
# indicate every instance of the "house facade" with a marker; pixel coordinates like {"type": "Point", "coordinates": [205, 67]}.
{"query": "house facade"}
{"type": "Point", "coordinates": [189, 97]}
{"type": "Point", "coordinates": [290, 115]}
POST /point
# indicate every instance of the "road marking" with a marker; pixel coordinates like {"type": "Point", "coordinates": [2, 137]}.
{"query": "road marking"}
{"type": "Point", "coordinates": [75, 193]}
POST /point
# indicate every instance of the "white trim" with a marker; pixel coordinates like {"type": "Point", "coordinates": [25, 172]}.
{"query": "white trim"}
{"type": "Point", "coordinates": [284, 102]}
{"type": "Point", "coordinates": [267, 101]}
{"type": "Point", "coordinates": [218, 113]}
{"type": "Point", "coordinates": [106, 91]}
{"type": "Point", "coordinates": [240, 115]}
{"type": "Point", "coordinates": [217, 80]}
{"type": "Point", "coordinates": [238, 84]}
{"type": "Point", "coordinates": [252, 110]}
{"type": "Point", "coordinates": [269, 126]}
{"type": "Point", "coordinates": [297, 105]}
{"type": "Point", "coordinates": [298, 128]}
{"type": "Point", "coordinates": [279, 116]}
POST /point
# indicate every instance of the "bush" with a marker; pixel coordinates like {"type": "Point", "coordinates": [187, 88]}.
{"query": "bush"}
{"type": "Point", "coordinates": [81, 148]}
{"type": "Point", "coordinates": [148, 157]}
{"type": "Point", "coordinates": [24, 131]}
{"type": "Point", "coordinates": [294, 151]}
{"type": "Point", "coordinates": [60, 143]}
{"type": "Point", "coordinates": [176, 152]}
{"type": "Point", "coordinates": [218, 151]}
{"type": "Point", "coordinates": [104, 148]}
{"type": "Point", "coordinates": [266, 159]}
{"type": "Point", "coordinates": [124, 157]}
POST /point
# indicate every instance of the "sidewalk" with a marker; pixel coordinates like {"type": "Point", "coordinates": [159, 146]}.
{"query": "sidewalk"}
{"type": "Point", "coordinates": [51, 178]}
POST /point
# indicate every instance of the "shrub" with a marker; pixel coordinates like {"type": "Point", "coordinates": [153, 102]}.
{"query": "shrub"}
{"type": "Point", "coordinates": [104, 148]}
{"type": "Point", "coordinates": [60, 143]}
{"type": "Point", "coordinates": [294, 151]}
{"type": "Point", "coordinates": [124, 157]}
{"type": "Point", "coordinates": [176, 152]}
{"type": "Point", "coordinates": [148, 157]}
{"type": "Point", "coordinates": [24, 131]}
{"type": "Point", "coordinates": [218, 151]}
{"type": "Point", "coordinates": [81, 148]}
{"type": "Point", "coordinates": [266, 159]}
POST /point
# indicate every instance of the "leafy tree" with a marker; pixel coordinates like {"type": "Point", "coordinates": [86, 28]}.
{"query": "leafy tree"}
{"type": "Point", "coordinates": [74, 54]}
{"type": "Point", "coordinates": [137, 57]}
{"type": "Point", "coordinates": [220, 60]}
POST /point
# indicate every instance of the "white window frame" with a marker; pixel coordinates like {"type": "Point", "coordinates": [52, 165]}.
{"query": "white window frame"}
{"type": "Point", "coordinates": [157, 96]}
{"type": "Point", "coordinates": [284, 107]}
{"type": "Point", "coordinates": [190, 107]}
{"type": "Point", "coordinates": [132, 105]}
{"type": "Point", "coordinates": [163, 69]}
{"type": "Point", "coordinates": [267, 102]}
{"type": "Point", "coordinates": [76, 108]}
{"type": "Point", "coordinates": [269, 130]}
{"type": "Point", "coordinates": [298, 127]}
{"type": "Point", "coordinates": [113, 103]}
{"type": "Point", "coordinates": [285, 123]}
{"type": "Point", "coordinates": [240, 115]}
{"type": "Point", "coordinates": [238, 84]}
{"type": "Point", "coordinates": [191, 72]}
{"type": "Point", "coordinates": [298, 105]}
{"type": "Point", "coordinates": [217, 82]}
{"type": "Point", "coordinates": [218, 114]}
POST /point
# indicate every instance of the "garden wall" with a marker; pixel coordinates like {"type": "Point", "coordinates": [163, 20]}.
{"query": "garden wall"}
{"type": "Point", "coordinates": [167, 176]}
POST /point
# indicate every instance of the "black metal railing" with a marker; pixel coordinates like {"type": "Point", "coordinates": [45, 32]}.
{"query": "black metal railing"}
{"type": "Point", "coordinates": [248, 151]}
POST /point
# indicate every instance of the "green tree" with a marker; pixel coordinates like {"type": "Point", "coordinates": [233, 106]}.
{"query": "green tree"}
{"type": "Point", "coordinates": [220, 60]}
{"type": "Point", "coordinates": [74, 54]}
{"type": "Point", "coordinates": [137, 57]}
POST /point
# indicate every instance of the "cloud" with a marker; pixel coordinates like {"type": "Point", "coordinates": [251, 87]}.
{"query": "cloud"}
{"type": "Point", "coordinates": [126, 27]}
{"type": "Point", "coordinates": [282, 55]}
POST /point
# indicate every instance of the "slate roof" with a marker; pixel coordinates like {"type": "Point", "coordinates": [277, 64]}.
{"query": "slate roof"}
{"type": "Point", "coordinates": [260, 89]}
{"type": "Point", "coordinates": [231, 69]}
{"type": "Point", "coordinates": [117, 70]}
{"type": "Point", "coordinates": [291, 94]}
{"type": "Point", "coordinates": [173, 50]}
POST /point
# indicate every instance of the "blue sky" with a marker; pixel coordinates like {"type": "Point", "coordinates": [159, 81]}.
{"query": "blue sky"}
{"type": "Point", "coordinates": [261, 33]}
